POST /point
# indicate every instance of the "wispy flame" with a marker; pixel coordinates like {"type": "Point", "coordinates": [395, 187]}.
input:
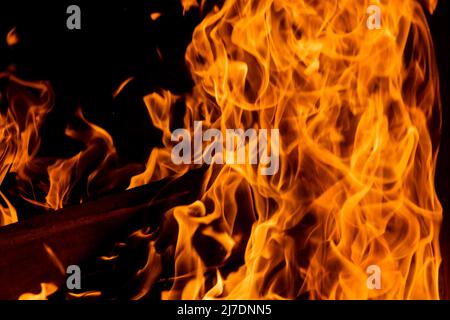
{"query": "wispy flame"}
{"type": "Point", "coordinates": [358, 113]}
{"type": "Point", "coordinates": [356, 109]}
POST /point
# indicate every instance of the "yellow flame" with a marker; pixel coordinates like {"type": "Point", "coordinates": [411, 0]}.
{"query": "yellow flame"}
{"type": "Point", "coordinates": [188, 4]}
{"type": "Point", "coordinates": [47, 289]}
{"type": "Point", "coordinates": [355, 109]}
{"type": "Point", "coordinates": [8, 214]}
{"type": "Point", "coordinates": [87, 294]}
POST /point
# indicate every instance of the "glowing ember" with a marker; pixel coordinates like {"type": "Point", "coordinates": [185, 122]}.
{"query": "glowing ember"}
{"type": "Point", "coordinates": [12, 38]}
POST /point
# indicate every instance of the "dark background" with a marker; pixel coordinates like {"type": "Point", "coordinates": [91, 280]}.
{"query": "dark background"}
{"type": "Point", "coordinates": [118, 40]}
{"type": "Point", "coordinates": [439, 24]}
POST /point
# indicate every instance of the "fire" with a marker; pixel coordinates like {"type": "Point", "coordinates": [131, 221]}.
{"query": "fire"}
{"type": "Point", "coordinates": [29, 103]}
{"type": "Point", "coordinates": [12, 37]}
{"type": "Point", "coordinates": [155, 15]}
{"type": "Point", "coordinates": [95, 167]}
{"type": "Point", "coordinates": [356, 109]}
{"type": "Point", "coordinates": [188, 4]}
{"type": "Point", "coordinates": [357, 112]}
{"type": "Point", "coordinates": [47, 289]}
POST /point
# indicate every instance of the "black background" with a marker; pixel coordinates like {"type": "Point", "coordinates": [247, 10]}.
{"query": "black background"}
{"type": "Point", "coordinates": [118, 40]}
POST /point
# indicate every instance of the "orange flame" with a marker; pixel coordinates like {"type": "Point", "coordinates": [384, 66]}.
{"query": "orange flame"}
{"type": "Point", "coordinates": [47, 289]}
{"type": "Point", "coordinates": [20, 125]}
{"type": "Point", "coordinates": [29, 103]}
{"type": "Point", "coordinates": [189, 4]}
{"type": "Point", "coordinates": [12, 38]}
{"type": "Point", "coordinates": [356, 109]}
{"type": "Point", "coordinates": [155, 15]}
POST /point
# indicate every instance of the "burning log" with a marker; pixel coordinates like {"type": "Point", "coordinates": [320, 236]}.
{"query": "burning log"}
{"type": "Point", "coordinates": [37, 250]}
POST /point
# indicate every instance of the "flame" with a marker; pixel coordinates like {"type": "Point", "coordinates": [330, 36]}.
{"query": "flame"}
{"type": "Point", "coordinates": [154, 16]}
{"type": "Point", "coordinates": [87, 294]}
{"type": "Point", "coordinates": [54, 258]}
{"type": "Point", "coordinates": [12, 38]}
{"type": "Point", "coordinates": [8, 214]}
{"type": "Point", "coordinates": [358, 113]}
{"type": "Point", "coordinates": [124, 84]}
{"type": "Point", "coordinates": [188, 4]}
{"type": "Point", "coordinates": [96, 166]}
{"type": "Point", "coordinates": [64, 173]}
{"type": "Point", "coordinates": [28, 105]}
{"type": "Point", "coordinates": [47, 289]}
{"type": "Point", "coordinates": [356, 109]}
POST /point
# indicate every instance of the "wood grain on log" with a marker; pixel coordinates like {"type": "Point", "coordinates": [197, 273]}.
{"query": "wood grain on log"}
{"type": "Point", "coordinates": [77, 233]}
